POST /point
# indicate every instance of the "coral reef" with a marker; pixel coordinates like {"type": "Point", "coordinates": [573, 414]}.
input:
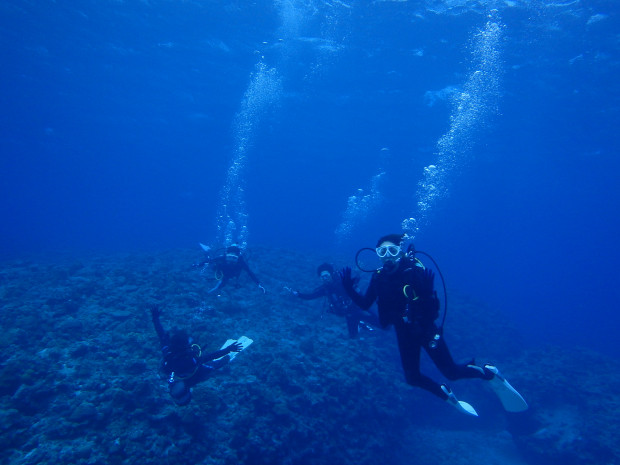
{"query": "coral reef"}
{"type": "Point", "coordinates": [80, 380]}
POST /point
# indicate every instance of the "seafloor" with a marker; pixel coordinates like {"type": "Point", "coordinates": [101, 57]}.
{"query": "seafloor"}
{"type": "Point", "coordinates": [80, 380]}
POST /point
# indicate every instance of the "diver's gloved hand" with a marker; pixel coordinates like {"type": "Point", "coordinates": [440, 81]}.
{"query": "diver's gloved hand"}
{"type": "Point", "coordinates": [347, 280]}
{"type": "Point", "coordinates": [433, 305]}
{"type": "Point", "coordinates": [425, 284]}
{"type": "Point", "coordinates": [260, 286]}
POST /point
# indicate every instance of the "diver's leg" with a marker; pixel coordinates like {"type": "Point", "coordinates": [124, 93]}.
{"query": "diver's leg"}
{"type": "Point", "coordinates": [370, 318]}
{"type": "Point", "coordinates": [352, 325]}
{"type": "Point", "coordinates": [409, 346]}
{"type": "Point", "coordinates": [365, 318]}
{"type": "Point", "coordinates": [440, 354]}
{"type": "Point", "coordinates": [437, 349]}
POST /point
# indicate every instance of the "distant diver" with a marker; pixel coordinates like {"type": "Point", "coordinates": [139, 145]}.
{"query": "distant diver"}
{"type": "Point", "coordinates": [406, 299]}
{"type": "Point", "coordinates": [339, 303]}
{"type": "Point", "coordinates": [185, 364]}
{"type": "Point", "coordinates": [228, 265]}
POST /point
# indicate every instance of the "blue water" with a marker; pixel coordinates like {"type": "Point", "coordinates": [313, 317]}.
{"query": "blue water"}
{"type": "Point", "coordinates": [120, 122]}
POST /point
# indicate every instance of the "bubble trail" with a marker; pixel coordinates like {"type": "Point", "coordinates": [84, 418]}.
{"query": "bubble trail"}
{"type": "Point", "coordinates": [263, 92]}
{"type": "Point", "coordinates": [360, 205]}
{"type": "Point", "coordinates": [471, 110]}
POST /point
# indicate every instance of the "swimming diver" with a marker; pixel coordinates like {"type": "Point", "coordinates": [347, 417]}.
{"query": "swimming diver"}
{"type": "Point", "coordinates": [227, 266]}
{"type": "Point", "coordinates": [339, 303]}
{"type": "Point", "coordinates": [184, 363]}
{"type": "Point", "coordinates": [406, 299]}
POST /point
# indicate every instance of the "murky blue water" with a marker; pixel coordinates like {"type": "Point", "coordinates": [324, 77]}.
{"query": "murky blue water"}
{"type": "Point", "coordinates": [321, 126]}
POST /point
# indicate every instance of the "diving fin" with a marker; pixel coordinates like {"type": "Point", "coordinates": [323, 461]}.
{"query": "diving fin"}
{"type": "Point", "coordinates": [511, 400]}
{"type": "Point", "coordinates": [461, 406]}
{"type": "Point", "coordinates": [206, 248]}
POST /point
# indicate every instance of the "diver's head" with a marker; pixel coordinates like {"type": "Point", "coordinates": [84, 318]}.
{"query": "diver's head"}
{"type": "Point", "coordinates": [325, 272]}
{"type": "Point", "coordinates": [389, 249]}
{"type": "Point", "coordinates": [180, 393]}
{"type": "Point", "coordinates": [232, 253]}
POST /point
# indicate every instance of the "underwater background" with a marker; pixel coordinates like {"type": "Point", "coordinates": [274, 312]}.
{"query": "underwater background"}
{"type": "Point", "coordinates": [305, 130]}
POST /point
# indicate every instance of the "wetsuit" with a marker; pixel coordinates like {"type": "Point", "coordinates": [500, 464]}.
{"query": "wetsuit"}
{"type": "Point", "coordinates": [186, 367]}
{"type": "Point", "coordinates": [407, 301]}
{"type": "Point", "coordinates": [341, 304]}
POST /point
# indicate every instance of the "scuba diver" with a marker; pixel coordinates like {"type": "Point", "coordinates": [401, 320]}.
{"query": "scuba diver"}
{"type": "Point", "coordinates": [339, 303]}
{"type": "Point", "coordinates": [228, 265]}
{"type": "Point", "coordinates": [406, 299]}
{"type": "Point", "coordinates": [184, 363]}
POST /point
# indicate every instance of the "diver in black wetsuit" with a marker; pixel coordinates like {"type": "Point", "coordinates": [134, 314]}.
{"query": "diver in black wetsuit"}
{"type": "Point", "coordinates": [339, 302]}
{"type": "Point", "coordinates": [405, 295]}
{"type": "Point", "coordinates": [228, 266]}
{"type": "Point", "coordinates": [184, 362]}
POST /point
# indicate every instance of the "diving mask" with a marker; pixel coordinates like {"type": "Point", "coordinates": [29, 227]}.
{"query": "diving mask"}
{"type": "Point", "coordinates": [385, 250]}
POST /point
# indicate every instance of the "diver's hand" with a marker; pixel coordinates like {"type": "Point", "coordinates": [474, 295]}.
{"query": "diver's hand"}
{"type": "Point", "coordinates": [429, 306]}
{"type": "Point", "coordinates": [260, 286]}
{"type": "Point", "coordinates": [425, 288]}
{"type": "Point", "coordinates": [235, 347]}
{"type": "Point", "coordinates": [347, 281]}
{"type": "Point", "coordinates": [434, 305]}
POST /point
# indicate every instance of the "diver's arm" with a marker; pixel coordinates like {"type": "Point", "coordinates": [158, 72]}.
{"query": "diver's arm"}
{"type": "Point", "coordinates": [161, 333]}
{"type": "Point", "coordinates": [365, 301]}
{"type": "Point", "coordinates": [204, 262]}
{"type": "Point", "coordinates": [320, 291]}
{"type": "Point", "coordinates": [245, 266]}
{"type": "Point", "coordinates": [234, 347]}
{"type": "Point", "coordinates": [362, 301]}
